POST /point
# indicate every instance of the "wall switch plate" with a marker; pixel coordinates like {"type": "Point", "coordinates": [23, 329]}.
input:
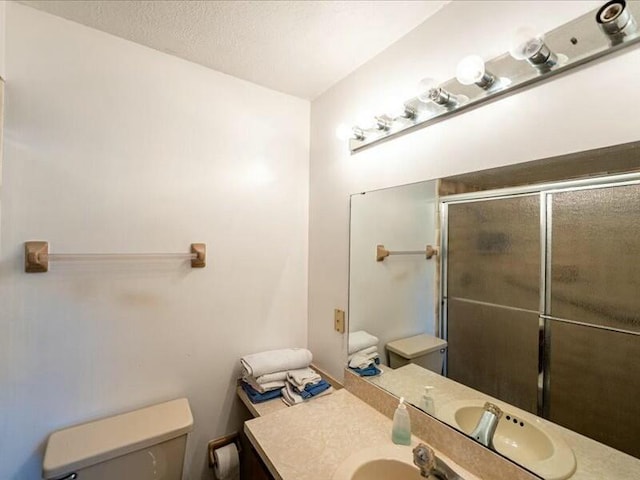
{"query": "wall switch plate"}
{"type": "Point", "coordinates": [338, 320]}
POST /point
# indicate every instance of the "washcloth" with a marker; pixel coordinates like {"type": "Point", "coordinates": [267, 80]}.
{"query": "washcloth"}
{"type": "Point", "coordinates": [273, 361]}
{"type": "Point", "coordinates": [257, 397]}
{"type": "Point", "coordinates": [290, 397]}
{"type": "Point", "coordinates": [303, 377]}
{"type": "Point", "coordinates": [360, 340]}
{"type": "Point", "coordinates": [370, 371]}
{"type": "Point", "coordinates": [313, 390]}
{"type": "Point", "coordinates": [263, 387]}
{"type": "Point", "coordinates": [365, 351]}
{"type": "Point", "coordinates": [360, 360]}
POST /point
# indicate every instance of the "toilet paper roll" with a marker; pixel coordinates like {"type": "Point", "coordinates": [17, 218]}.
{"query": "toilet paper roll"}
{"type": "Point", "coordinates": [227, 463]}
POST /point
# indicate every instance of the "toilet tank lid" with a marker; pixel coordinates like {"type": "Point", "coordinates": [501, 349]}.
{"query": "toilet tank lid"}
{"type": "Point", "coordinates": [90, 443]}
{"type": "Point", "coordinates": [416, 346]}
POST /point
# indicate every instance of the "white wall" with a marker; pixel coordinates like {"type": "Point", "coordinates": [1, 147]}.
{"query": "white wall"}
{"type": "Point", "coordinates": [114, 147]}
{"type": "Point", "coordinates": [566, 114]}
{"type": "Point", "coordinates": [3, 9]}
{"type": "Point", "coordinates": [395, 298]}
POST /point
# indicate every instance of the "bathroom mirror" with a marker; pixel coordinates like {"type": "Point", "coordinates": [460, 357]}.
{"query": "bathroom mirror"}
{"type": "Point", "coordinates": [533, 284]}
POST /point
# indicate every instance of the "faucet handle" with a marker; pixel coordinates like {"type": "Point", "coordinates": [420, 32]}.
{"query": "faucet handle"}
{"type": "Point", "coordinates": [424, 458]}
{"type": "Point", "coordinates": [493, 408]}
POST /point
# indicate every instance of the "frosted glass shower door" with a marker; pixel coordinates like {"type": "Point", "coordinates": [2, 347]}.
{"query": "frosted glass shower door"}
{"type": "Point", "coordinates": [493, 297]}
{"type": "Point", "coordinates": [595, 314]}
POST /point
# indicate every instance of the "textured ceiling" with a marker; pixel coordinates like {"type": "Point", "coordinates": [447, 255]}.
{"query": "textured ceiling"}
{"type": "Point", "coordinates": [296, 47]}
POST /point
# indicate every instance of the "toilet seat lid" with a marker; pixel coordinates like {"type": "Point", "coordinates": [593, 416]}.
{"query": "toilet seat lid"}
{"type": "Point", "coordinates": [416, 346]}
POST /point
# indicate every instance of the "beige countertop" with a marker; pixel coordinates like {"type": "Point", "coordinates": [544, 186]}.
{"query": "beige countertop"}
{"type": "Point", "coordinates": [595, 461]}
{"type": "Point", "coordinates": [309, 441]}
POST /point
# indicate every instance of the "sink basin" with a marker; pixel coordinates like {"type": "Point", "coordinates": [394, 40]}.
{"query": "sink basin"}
{"type": "Point", "coordinates": [387, 462]}
{"type": "Point", "coordinates": [520, 436]}
{"type": "Point", "coordinates": [385, 469]}
{"type": "Point", "coordinates": [379, 463]}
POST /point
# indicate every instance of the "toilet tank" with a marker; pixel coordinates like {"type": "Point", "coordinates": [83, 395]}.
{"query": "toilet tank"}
{"type": "Point", "coordinates": [424, 350]}
{"type": "Point", "coordinates": [146, 444]}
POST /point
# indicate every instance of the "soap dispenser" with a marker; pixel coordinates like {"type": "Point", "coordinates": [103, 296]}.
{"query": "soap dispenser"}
{"type": "Point", "coordinates": [426, 402]}
{"type": "Point", "coordinates": [401, 431]}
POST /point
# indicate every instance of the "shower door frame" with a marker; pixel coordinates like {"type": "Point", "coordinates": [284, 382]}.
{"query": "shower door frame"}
{"type": "Point", "coordinates": [545, 192]}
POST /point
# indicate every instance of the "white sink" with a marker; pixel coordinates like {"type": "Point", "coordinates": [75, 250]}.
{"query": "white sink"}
{"type": "Point", "coordinates": [379, 463]}
{"type": "Point", "coordinates": [520, 436]}
{"type": "Point", "coordinates": [391, 462]}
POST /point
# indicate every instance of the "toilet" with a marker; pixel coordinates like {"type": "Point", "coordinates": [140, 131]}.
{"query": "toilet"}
{"type": "Point", "coordinates": [146, 444]}
{"type": "Point", "coordinates": [424, 350]}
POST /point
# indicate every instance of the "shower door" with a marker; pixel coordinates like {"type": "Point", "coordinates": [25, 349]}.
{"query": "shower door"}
{"type": "Point", "coordinates": [594, 314]}
{"type": "Point", "coordinates": [541, 302]}
{"type": "Point", "coordinates": [493, 297]}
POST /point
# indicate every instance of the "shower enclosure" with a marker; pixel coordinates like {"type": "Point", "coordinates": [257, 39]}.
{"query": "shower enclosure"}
{"type": "Point", "coordinates": [541, 301]}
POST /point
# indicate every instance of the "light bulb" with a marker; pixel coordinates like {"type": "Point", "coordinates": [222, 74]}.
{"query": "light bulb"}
{"type": "Point", "coordinates": [525, 43]}
{"type": "Point", "coordinates": [430, 91]}
{"type": "Point", "coordinates": [397, 107]}
{"type": "Point", "coordinates": [529, 46]}
{"type": "Point", "coordinates": [366, 120]}
{"type": "Point", "coordinates": [344, 132]}
{"type": "Point", "coordinates": [471, 70]}
{"type": "Point", "coordinates": [425, 86]}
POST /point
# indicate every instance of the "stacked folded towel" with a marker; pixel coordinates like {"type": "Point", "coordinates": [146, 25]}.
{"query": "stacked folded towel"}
{"type": "Point", "coordinates": [363, 353]}
{"type": "Point", "coordinates": [285, 373]}
{"type": "Point", "coordinates": [304, 384]}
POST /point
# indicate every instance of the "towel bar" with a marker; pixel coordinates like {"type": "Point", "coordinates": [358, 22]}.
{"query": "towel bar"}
{"type": "Point", "coordinates": [37, 256]}
{"type": "Point", "coordinates": [382, 253]}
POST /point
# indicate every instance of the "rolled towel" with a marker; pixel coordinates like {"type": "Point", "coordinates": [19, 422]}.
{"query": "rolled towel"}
{"type": "Point", "coordinates": [365, 351]}
{"type": "Point", "coordinates": [273, 361]}
{"type": "Point", "coordinates": [360, 340]}
{"type": "Point", "coordinates": [302, 377]}
{"type": "Point", "coordinates": [363, 360]}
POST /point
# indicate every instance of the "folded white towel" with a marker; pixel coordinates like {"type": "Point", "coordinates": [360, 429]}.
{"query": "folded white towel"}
{"type": "Point", "coordinates": [291, 398]}
{"type": "Point", "coordinates": [302, 377]}
{"type": "Point", "coordinates": [362, 360]}
{"type": "Point", "coordinates": [272, 377]}
{"type": "Point", "coordinates": [360, 340]}
{"type": "Point", "coordinates": [263, 387]}
{"type": "Point", "coordinates": [365, 351]}
{"type": "Point", "coordinates": [273, 361]}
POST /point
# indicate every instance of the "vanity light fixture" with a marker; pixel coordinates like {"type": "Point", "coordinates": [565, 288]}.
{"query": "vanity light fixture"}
{"type": "Point", "coordinates": [581, 40]}
{"type": "Point", "coordinates": [471, 69]}
{"type": "Point", "coordinates": [430, 91]}
{"type": "Point", "coordinates": [526, 45]}
{"type": "Point", "coordinates": [615, 20]}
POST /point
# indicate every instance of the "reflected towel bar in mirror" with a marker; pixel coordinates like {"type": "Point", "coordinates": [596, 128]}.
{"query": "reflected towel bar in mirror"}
{"type": "Point", "coordinates": [37, 256]}
{"type": "Point", "coordinates": [382, 253]}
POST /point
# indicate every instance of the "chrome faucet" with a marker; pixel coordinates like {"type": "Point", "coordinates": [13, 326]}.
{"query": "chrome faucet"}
{"type": "Point", "coordinates": [425, 459]}
{"type": "Point", "coordinates": [486, 427]}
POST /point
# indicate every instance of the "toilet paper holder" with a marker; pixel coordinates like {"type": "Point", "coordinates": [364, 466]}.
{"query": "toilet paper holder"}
{"type": "Point", "coordinates": [221, 442]}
